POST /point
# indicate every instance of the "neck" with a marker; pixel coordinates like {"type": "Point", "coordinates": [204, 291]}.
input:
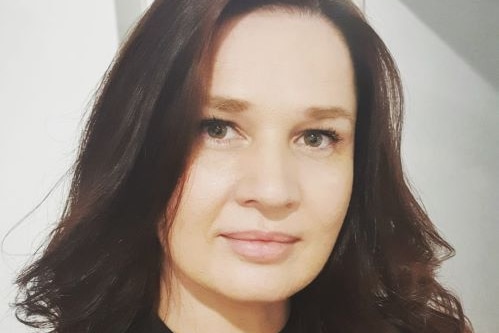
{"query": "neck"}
{"type": "Point", "coordinates": [187, 308]}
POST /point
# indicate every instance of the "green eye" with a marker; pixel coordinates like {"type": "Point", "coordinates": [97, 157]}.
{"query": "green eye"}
{"type": "Point", "coordinates": [321, 139]}
{"type": "Point", "coordinates": [216, 130]}
{"type": "Point", "coordinates": [218, 133]}
{"type": "Point", "coordinates": [313, 139]}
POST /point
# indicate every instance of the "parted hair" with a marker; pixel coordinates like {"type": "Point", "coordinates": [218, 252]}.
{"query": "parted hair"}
{"type": "Point", "coordinates": [101, 267]}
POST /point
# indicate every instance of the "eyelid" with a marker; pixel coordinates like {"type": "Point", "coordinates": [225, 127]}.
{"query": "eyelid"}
{"type": "Point", "coordinates": [206, 122]}
{"type": "Point", "coordinates": [330, 134]}
{"type": "Point", "coordinates": [214, 120]}
{"type": "Point", "coordinates": [210, 121]}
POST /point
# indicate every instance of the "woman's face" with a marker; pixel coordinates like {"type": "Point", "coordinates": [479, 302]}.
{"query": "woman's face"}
{"type": "Point", "coordinates": [270, 183]}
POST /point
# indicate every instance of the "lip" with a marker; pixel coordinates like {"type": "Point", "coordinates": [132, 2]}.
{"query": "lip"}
{"type": "Point", "coordinates": [260, 246]}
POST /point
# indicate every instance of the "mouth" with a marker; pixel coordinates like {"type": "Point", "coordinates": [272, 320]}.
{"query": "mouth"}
{"type": "Point", "coordinates": [260, 246]}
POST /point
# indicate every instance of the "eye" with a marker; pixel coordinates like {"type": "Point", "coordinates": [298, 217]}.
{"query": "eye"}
{"type": "Point", "coordinates": [321, 139]}
{"type": "Point", "coordinates": [218, 130]}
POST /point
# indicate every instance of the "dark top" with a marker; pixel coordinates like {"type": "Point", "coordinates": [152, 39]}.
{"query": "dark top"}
{"type": "Point", "coordinates": [155, 325]}
{"type": "Point", "coordinates": [149, 324]}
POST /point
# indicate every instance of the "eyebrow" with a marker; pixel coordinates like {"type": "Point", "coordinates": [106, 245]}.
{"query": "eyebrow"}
{"type": "Point", "coordinates": [232, 105]}
{"type": "Point", "coordinates": [328, 112]}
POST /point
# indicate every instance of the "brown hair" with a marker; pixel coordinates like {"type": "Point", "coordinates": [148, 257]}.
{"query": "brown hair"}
{"type": "Point", "coordinates": [101, 269]}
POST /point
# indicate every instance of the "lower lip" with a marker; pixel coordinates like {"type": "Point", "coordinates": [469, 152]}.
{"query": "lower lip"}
{"type": "Point", "coordinates": [260, 251]}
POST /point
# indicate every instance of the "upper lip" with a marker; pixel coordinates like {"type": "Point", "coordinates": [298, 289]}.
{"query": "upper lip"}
{"type": "Point", "coordinates": [263, 236]}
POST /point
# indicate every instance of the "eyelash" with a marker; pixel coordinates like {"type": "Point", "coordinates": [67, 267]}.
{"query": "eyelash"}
{"type": "Point", "coordinates": [330, 134]}
{"type": "Point", "coordinates": [215, 121]}
{"type": "Point", "coordinates": [208, 122]}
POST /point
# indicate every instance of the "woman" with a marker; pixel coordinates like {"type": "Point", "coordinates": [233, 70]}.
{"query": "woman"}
{"type": "Point", "coordinates": [241, 172]}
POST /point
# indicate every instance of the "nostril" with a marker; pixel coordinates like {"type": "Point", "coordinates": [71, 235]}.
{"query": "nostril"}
{"type": "Point", "coordinates": [268, 182]}
{"type": "Point", "coordinates": [274, 205]}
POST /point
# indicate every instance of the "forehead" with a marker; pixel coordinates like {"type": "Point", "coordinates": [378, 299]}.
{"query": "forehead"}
{"type": "Point", "coordinates": [284, 60]}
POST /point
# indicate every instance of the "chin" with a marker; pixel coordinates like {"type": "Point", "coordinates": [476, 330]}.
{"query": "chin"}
{"type": "Point", "coordinates": [258, 296]}
{"type": "Point", "coordinates": [247, 287]}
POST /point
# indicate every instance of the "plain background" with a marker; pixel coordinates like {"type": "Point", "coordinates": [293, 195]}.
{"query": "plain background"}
{"type": "Point", "coordinates": [54, 52]}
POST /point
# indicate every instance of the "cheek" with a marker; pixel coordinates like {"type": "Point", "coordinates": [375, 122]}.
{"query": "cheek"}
{"type": "Point", "coordinates": [328, 191]}
{"type": "Point", "coordinates": [208, 187]}
{"type": "Point", "coordinates": [206, 190]}
{"type": "Point", "coordinates": [328, 195]}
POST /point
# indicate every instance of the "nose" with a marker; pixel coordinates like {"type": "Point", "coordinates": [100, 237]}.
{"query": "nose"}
{"type": "Point", "coordinates": [268, 181]}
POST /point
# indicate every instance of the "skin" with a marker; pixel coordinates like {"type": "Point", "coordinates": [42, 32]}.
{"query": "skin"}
{"type": "Point", "coordinates": [269, 170]}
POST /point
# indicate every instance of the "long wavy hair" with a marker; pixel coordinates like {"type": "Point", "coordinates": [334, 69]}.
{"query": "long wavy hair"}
{"type": "Point", "coordinates": [101, 269]}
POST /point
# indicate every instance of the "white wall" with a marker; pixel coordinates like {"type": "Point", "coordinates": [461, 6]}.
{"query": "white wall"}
{"type": "Point", "coordinates": [52, 54]}
{"type": "Point", "coordinates": [451, 153]}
